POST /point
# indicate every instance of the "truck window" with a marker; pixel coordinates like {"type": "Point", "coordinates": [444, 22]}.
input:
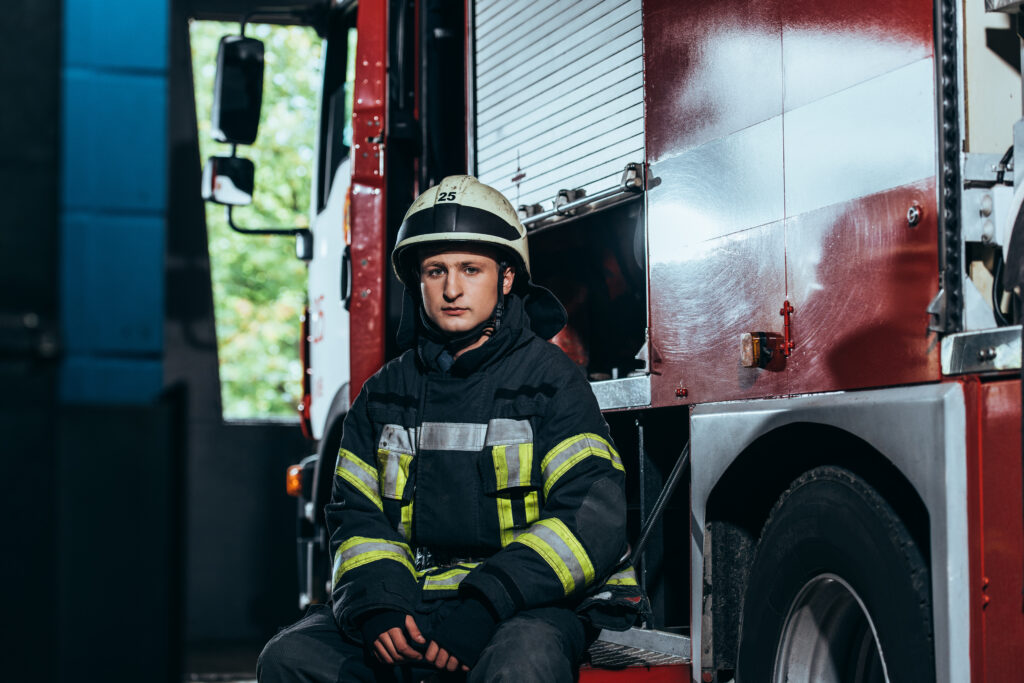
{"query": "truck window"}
{"type": "Point", "coordinates": [259, 287]}
{"type": "Point", "coordinates": [336, 109]}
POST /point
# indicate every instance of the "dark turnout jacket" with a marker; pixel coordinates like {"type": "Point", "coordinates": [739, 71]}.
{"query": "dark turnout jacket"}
{"type": "Point", "coordinates": [493, 474]}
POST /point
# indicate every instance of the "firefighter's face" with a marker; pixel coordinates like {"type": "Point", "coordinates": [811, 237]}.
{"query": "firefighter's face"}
{"type": "Point", "coordinates": [460, 288]}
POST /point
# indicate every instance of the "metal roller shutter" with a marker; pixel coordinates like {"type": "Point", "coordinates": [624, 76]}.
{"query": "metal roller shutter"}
{"type": "Point", "coordinates": [558, 95]}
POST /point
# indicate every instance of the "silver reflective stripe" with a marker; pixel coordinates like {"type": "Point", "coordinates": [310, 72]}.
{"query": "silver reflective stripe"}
{"type": "Point", "coordinates": [398, 438]}
{"type": "Point", "coordinates": [627, 577]}
{"type": "Point", "coordinates": [562, 550]}
{"type": "Point", "coordinates": [360, 550]}
{"type": "Point", "coordinates": [512, 461]}
{"type": "Point", "coordinates": [519, 460]}
{"type": "Point", "coordinates": [359, 475]}
{"type": "Point", "coordinates": [566, 454]}
{"type": "Point", "coordinates": [452, 436]}
{"type": "Point", "coordinates": [503, 432]}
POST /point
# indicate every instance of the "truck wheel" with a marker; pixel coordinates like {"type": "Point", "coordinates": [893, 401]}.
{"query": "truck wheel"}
{"type": "Point", "coordinates": [839, 591]}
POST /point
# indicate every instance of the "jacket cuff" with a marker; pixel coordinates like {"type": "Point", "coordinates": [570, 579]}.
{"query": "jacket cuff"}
{"type": "Point", "coordinates": [496, 589]}
{"type": "Point", "coordinates": [354, 603]}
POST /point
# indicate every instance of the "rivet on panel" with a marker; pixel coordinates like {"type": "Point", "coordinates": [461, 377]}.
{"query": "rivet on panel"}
{"type": "Point", "coordinates": [914, 214]}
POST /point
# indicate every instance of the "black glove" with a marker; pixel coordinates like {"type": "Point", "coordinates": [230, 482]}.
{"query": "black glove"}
{"type": "Point", "coordinates": [467, 630]}
{"type": "Point", "coordinates": [377, 623]}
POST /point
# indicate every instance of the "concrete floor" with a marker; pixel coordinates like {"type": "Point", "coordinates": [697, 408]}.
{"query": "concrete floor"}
{"type": "Point", "coordinates": [222, 662]}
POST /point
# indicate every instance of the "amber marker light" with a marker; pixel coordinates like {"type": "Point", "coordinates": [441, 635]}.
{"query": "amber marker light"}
{"type": "Point", "coordinates": [293, 481]}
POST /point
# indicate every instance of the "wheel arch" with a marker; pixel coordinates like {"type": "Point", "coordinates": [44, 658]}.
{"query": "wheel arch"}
{"type": "Point", "coordinates": [917, 432]}
{"type": "Point", "coordinates": [758, 477]}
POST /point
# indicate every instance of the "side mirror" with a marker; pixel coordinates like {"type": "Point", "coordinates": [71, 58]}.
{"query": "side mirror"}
{"type": "Point", "coordinates": [237, 90]}
{"type": "Point", "coordinates": [229, 180]}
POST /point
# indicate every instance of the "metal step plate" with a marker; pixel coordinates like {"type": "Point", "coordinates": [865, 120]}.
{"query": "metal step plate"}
{"type": "Point", "coordinates": [638, 648]}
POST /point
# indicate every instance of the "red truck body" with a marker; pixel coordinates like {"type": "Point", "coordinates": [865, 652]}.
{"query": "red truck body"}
{"type": "Point", "coordinates": [794, 185]}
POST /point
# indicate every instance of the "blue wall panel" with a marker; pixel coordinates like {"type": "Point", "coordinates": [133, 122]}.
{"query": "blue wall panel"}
{"type": "Point", "coordinates": [115, 151]}
{"type": "Point", "coordinates": [110, 380]}
{"type": "Point", "coordinates": [113, 290]}
{"type": "Point", "coordinates": [119, 34]}
{"type": "Point", "coordinates": [114, 199]}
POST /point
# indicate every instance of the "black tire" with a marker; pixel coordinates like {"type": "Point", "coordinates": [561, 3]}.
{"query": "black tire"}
{"type": "Point", "coordinates": [838, 591]}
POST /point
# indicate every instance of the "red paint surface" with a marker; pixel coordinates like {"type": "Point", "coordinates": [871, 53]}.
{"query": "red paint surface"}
{"type": "Point", "coordinates": [996, 531]}
{"type": "Point", "coordinates": [860, 280]}
{"type": "Point", "coordinates": [723, 81]}
{"type": "Point", "coordinates": [366, 343]}
{"type": "Point", "coordinates": [648, 674]}
{"type": "Point", "coordinates": [716, 68]}
{"type": "Point", "coordinates": [710, 69]}
{"type": "Point", "coordinates": [829, 46]}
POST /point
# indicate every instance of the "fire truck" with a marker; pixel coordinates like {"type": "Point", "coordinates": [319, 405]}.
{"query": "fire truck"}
{"type": "Point", "coordinates": [779, 229]}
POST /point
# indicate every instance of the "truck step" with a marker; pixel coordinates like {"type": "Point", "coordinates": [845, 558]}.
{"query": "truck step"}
{"type": "Point", "coordinates": [615, 655]}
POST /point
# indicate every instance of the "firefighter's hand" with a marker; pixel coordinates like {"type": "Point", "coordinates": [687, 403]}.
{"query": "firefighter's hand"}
{"type": "Point", "coordinates": [393, 647]}
{"type": "Point", "coordinates": [440, 658]}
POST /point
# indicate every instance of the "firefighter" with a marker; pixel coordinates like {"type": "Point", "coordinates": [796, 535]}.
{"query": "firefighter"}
{"type": "Point", "coordinates": [478, 516]}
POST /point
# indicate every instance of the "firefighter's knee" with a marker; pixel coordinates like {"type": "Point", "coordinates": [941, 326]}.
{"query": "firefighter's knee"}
{"type": "Point", "coordinates": [525, 648]}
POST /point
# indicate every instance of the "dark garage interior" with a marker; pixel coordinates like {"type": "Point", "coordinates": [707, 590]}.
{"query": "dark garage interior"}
{"type": "Point", "coordinates": [148, 538]}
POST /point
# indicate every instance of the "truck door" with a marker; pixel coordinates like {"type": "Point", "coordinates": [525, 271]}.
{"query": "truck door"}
{"type": "Point", "coordinates": [330, 268]}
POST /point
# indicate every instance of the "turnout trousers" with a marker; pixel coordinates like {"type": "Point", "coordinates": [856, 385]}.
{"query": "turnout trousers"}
{"type": "Point", "coordinates": [543, 645]}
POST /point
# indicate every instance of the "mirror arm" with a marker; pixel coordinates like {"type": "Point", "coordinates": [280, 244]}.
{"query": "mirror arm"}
{"type": "Point", "coordinates": [260, 231]}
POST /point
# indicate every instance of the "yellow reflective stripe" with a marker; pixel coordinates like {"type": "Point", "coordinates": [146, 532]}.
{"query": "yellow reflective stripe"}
{"type": "Point", "coordinates": [525, 463]}
{"type": "Point", "coordinates": [532, 502]}
{"type": "Point", "coordinates": [359, 475]}
{"type": "Point", "coordinates": [571, 451]}
{"type": "Point", "coordinates": [449, 579]}
{"type": "Point", "coordinates": [552, 540]}
{"type": "Point", "coordinates": [405, 526]}
{"type": "Point", "coordinates": [505, 520]}
{"type": "Point", "coordinates": [512, 465]}
{"type": "Point", "coordinates": [394, 472]}
{"type": "Point", "coordinates": [500, 467]}
{"type": "Point", "coordinates": [551, 557]}
{"type": "Point", "coordinates": [627, 577]}
{"type": "Point", "coordinates": [360, 550]}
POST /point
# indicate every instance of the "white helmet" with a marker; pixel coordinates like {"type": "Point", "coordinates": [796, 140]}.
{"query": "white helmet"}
{"type": "Point", "coordinates": [460, 209]}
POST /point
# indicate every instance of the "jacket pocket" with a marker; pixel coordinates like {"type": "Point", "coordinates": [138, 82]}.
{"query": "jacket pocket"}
{"type": "Point", "coordinates": [395, 454]}
{"type": "Point", "coordinates": [510, 474]}
{"type": "Point", "coordinates": [507, 461]}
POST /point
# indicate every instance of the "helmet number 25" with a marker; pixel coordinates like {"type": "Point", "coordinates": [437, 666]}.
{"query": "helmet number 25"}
{"type": "Point", "coordinates": [446, 197]}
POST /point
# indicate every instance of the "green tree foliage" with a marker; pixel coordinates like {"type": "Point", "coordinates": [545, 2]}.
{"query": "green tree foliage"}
{"type": "Point", "coordinates": [259, 287]}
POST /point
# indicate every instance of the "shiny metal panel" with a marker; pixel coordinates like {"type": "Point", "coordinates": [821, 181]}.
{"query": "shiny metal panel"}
{"type": "Point", "coordinates": [717, 188]}
{"type": "Point", "coordinates": [921, 429]}
{"type": "Point", "coordinates": [718, 70]}
{"type": "Point", "coordinates": [982, 351]}
{"type": "Point", "coordinates": [646, 639]}
{"type": "Point", "coordinates": [860, 279]}
{"type": "Point", "coordinates": [867, 138]}
{"type": "Point", "coordinates": [628, 392]}
{"type": "Point", "coordinates": [829, 47]}
{"type": "Point", "coordinates": [703, 298]}
{"type": "Point", "coordinates": [558, 95]}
